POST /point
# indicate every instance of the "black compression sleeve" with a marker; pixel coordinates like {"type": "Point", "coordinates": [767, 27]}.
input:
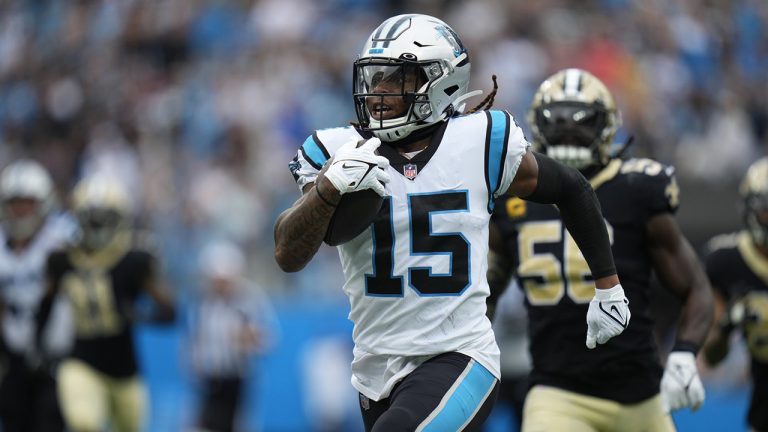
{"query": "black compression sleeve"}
{"type": "Point", "coordinates": [579, 209]}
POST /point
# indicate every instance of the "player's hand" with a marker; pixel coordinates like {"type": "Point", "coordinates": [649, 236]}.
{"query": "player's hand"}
{"type": "Point", "coordinates": [357, 168]}
{"type": "Point", "coordinates": [681, 386]}
{"type": "Point", "coordinates": [734, 315]}
{"type": "Point", "coordinates": [608, 315]}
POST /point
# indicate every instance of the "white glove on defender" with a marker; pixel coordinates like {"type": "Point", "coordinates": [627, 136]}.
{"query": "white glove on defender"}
{"type": "Point", "coordinates": [608, 315]}
{"type": "Point", "coordinates": [681, 386]}
{"type": "Point", "coordinates": [357, 168]}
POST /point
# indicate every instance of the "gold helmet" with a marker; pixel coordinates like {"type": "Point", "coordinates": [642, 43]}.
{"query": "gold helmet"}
{"type": "Point", "coordinates": [573, 119]}
{"type": "Point", "coordinates": [754, 195]}
{"type": "Point", "coordinates": [102, 208]}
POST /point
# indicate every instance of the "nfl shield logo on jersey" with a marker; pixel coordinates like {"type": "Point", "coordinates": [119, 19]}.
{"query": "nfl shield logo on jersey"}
{"type": "Point", "coordinates": [410, 171]}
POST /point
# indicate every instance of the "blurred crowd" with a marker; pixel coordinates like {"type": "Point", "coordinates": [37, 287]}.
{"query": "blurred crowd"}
{"type": "Point", "coordinates": [199, 105]}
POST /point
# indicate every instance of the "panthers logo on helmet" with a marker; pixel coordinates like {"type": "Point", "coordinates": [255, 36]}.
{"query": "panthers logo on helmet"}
{"type": "Point", "coordinates": [573, 119]}
{"type": "Point", "coordinates": [754, 195]}
{"type": "Point", "coordinates": [452, 38]}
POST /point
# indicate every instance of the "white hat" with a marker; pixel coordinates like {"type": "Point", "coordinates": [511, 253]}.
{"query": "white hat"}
{"type": "Point", "coordinates": [222, 259]}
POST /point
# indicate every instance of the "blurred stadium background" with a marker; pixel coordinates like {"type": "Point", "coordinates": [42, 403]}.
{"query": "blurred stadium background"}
{"type": "Point", "coordinates": [198, 105]}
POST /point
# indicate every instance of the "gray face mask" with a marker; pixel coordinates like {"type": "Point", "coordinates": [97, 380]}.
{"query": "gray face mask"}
{"type": "Point", "coordinates": [98, 227]}
{"type": "Point", "coordinates": [97, 238]}
{"type": "Point", "coordinates": [22, 228]}
{"type": "Point", "coordinates": [757, 230]}
{"type": "Point", "coordinates": [754, 205]}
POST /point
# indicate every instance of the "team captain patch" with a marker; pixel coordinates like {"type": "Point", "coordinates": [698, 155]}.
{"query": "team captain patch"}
{"type": "Point", "coordinates": [410, 171]}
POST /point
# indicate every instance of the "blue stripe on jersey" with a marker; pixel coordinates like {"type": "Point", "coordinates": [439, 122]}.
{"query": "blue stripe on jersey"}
{"type": "Point", "coordinates": [495, 152]}
{"type": "Point", "coordinates": [314, 152]}
{"type": "Point", "coordinates": [464, 401]}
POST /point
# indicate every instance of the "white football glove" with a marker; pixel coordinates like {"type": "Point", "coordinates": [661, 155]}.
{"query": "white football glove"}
{"type": "Point", "coordinates": [608, 315]}
{"type": "Point", "coordinates": [681, 386]}
{"type": "Point", "coordinates": [357, 168]}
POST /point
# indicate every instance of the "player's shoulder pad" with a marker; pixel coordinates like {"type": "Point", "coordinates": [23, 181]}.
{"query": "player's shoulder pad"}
{"type": "Point", "coordinates": [323, 143]}
{"type": "Point", "coordinates": [646, 169]}
{"type": "Point", "coordinates": [653, 180]}
{"type": "Point", "coordinates": [64, 227]}
{"type": "Point", "coordinates": [502, 117]}
{"type": "Point", "coordinates": [722, 241]}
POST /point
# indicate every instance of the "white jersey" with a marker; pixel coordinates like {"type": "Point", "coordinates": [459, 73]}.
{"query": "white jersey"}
{"type": "Point", "coordinates": [22, 288]}
{"type": "Point", "coordinates": [416, 280]}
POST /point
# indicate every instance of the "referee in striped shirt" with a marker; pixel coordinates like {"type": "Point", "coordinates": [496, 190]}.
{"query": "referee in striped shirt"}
{"type": "Point", "coordinates": [232, 323]}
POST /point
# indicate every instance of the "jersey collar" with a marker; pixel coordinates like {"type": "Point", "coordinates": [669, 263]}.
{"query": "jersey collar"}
{"type": "Point", "coordinates": [398, 161]}
{"type": "Point", "coordinates": [606, 174]}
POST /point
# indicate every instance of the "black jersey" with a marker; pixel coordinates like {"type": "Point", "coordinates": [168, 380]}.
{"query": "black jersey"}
{"type": "Point", "coordinates": [102, 289]}
{"type": "Point", "coordinates": [558, 285]}
{"type": "Point", "coordinates": [740, 273]}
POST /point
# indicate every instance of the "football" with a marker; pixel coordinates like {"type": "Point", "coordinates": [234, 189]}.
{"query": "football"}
{"type": "Point", "coordinates": [354, 214]}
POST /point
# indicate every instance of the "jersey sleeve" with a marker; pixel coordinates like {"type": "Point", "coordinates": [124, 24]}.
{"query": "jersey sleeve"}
{"type": "Point", "coordinates": [655, 183]}
{"type": "Point", "coordinates": [504, 149]}
{"type": "Point", "coordinates": [315, 152]}
{"type": "Point", "coordinates": [308, 161]}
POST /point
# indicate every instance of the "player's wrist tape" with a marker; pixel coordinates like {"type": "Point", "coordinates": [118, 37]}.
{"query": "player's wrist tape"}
{"type": "Point", "coordinates": [325, 200]}
{"type": "Point", "coordinates": [614, 293]}
{"type": "Point", "coordinates": [682, 345]}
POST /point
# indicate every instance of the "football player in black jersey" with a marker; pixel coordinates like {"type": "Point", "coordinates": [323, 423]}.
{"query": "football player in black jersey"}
{"type": "Point", "coordinates": [737, 266]}
{"type": "Point", "coordinates": [102, 276]}
{"type": "Point", "coordinates": [616, 387]}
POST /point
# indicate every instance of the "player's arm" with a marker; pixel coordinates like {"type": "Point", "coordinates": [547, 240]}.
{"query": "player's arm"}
{"type": "Point", "coordinates": [679, 270]}
{"type": "Point", "coordinates": [51, 287]}
{"type": "Point", "coordinates": [499, 269]}
{"type": "Point", "coordinates": [299, 231]}
{"type": "Point", "coordinates": [164, 310]}
{"type": "Point", "coordinates": [717, 345]}
{"type": "Point", "coordinates": [543, 180]}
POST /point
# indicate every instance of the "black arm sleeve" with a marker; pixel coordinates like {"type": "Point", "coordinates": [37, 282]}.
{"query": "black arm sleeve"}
{"type": "Point", "coordinates": [579, 209]}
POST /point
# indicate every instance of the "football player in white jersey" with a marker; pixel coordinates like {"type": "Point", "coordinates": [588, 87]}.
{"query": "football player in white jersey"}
{"type": "Point", "coordinates": [30, 230]}
{"type": "Point", "coordinates": [425, 357]}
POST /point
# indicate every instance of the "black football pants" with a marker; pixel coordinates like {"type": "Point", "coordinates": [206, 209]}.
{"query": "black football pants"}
{"type": "Point", "coordinates": [449, 392]}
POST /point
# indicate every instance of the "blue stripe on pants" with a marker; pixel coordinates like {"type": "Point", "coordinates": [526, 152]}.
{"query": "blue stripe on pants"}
{"type": "Point", "coordinates": [462, 401]}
